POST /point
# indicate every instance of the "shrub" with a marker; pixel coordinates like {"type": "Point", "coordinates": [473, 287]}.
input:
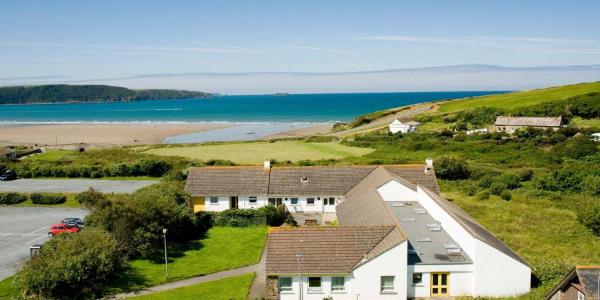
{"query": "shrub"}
{"type": "Point", "coordinates": [452, 168]}
{"type": "Point", "coordinates": [560, 180]}
{"type": "Point", "coordinates": [47, 198]}
{"type": "Point", "coordinates": [525, 174]}
{"type": "Point", "coordinates": [154, 168]}
{"type": "Point", "coordinates": [511, 180]}
{"type": "Point", "coordinates": [470, 189]}
{"type": "Point", "coordinates": [505, 195]}
{"type": "Point", "coordinates": [71, 266]}
{"type": "Point", "coordinates": [90, 198]}
{"type": "Point", "coordinates": [576, 148]}
{"type": "Point", "coordinates": [497, 188]}
{"type": "Point", "coordinates": [483, 195]}
{"type": "Point", "coordinates": [592, 185]}
{"type": "Point", "coordinates": [486, 181]}
{"type": "Point", "coordinates": [275, 215]}
{"type": "Point", "coordinates": [589, 215]}
{"type": "Point", "coordinates": [12, 198]}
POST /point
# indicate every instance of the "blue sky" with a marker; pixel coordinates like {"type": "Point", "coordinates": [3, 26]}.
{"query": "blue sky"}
{"type": "Point", "coordinates": [110, 39]}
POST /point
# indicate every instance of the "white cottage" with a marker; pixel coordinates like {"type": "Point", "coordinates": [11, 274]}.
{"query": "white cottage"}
{"type": "Point", "coordinates": [397, 126]}
{"type": "Point", "coordinates": [431, 249]}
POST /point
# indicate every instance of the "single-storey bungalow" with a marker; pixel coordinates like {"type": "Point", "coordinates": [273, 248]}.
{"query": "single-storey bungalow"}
{"type": "Point", "coordinates": [309, 193]}
{"type": "Point", "coordinates": [582, 283]}
{"type": "Point", "coordinates": [510, 124]}
{"type": "Point", "coordinates": [396, 239]}
{"type": "Point", "coordinates": [403, 127]}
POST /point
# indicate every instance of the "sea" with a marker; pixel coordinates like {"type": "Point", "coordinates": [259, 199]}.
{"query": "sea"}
{"type": "Point", "coordinates": [253, 116]}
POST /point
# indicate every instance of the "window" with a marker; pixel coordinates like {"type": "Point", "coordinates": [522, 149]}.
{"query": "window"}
{"type": "Point", "coordinates": [387, 284]}
{"type": "Point", "coordinates": [310, 201]}
{"type": "Point", "coordinates": [580, 296]}
{"type": "Point", "coordinates": [252, 200]}
{"type": "Point", "coordinates": [329, 201]}
{"type": "Point", "coordinates": [214, 200]}
{"type": "Point", "coordinates": [417, 278]}
{"type": "Point", "coordinates": [294, 201]}
{"type": "Point", "coordinates": [337, 284]}
{"type": "Point", "coordinates": [285, 284]}
{"type": "Point", "coordinates": [314, 283]}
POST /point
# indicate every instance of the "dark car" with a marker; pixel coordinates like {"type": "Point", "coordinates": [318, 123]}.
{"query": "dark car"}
{"type": "Point", "coordinates": [8, 175]}
{"type": "Point", "coordinates": [73, 222]}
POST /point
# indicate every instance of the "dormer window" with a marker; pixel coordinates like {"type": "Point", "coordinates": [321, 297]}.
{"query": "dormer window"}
{"type": "Point", "coordinates": [304, 179]}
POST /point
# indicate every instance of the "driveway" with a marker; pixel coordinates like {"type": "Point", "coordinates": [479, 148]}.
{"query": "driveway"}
{"type": "Point", "coordinates": [21, 227]}
{"type": "Point", "coordinates": [73, 185]}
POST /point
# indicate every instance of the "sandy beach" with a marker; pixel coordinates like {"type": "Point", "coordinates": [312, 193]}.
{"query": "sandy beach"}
{"type": "Point", "coordinates": [98, 134]}
{"type": "Point", "coordinates": [317, 129]}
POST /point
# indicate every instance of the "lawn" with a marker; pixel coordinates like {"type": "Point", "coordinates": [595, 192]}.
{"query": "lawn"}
{"type": "Point", "coordinates": [50, 155]}
{"type": "Point", "coordinates": [254, 153]}
{"type": "Point", "coordinates": [71, 202]}
{"type": "Point", "coordinates": [7, 290]}
{"type": "Point", "coordinates": [586, 123]}
{"type": "Point", "coordinates": [520, 99]}
{"type": "Point", "coordinates": [222, 248]}
{"type": "Point", "coordinates": [231, 288]}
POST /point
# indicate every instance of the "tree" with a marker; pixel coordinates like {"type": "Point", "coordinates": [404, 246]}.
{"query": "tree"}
{"type": "Point", "coordinates": [452, 168]}
{"type": "Point", "coordinates": [70, 266]}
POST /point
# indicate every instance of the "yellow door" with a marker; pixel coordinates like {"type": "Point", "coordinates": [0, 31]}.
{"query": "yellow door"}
{"type": "Point", "coordinates": [197, 204]}
{"type": "Point", "coordinates": [440, 284]}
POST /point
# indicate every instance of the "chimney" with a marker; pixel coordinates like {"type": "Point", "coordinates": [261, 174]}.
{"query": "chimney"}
{"type": "Point", "coordinates": [267, 165]}
{"type": "Point", "coordinates": [428, 165]}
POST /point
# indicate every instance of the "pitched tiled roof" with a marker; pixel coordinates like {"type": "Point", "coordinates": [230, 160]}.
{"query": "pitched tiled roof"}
{"type": "Point", "coordinates": [319, 180]}
{"type": "Point", "coordinates": [326, 250]}
{"type": "Point", "coordinates": [529, 121]}
{"type": "Point", "coordinates": [327, 180]}
{"type": "Point", "coordinates": [585, 277]}
{"type": "Point", "coordinates": [472, 226]}
{"type": "Point", "coordinates": [224, 181]}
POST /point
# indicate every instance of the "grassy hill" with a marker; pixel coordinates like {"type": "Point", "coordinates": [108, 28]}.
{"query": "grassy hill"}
{"type": "Point", "coordinates": [59, 93]}
{"type": "Point", "coordinates": [520, 99]}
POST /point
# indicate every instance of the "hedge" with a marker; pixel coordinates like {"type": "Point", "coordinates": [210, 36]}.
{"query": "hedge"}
{"type": "Point", "coordinates": [45, 198]}
{"type": "Point", "coordinates": [12, 198]}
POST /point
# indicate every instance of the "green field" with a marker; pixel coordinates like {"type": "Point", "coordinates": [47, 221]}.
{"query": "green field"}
{"type": "Point", "coordinates": [256, 152]}
{"type": "Point", "coordinates": [221, 249]}
{"type": "Point", "coordinates": [521, 99]}
{"type": "Point", "coordinates": [51, 155]}
{"type": "Point", "coordinates": [7, 289]}
{"type": "Point", "coordinates": [232, 288]}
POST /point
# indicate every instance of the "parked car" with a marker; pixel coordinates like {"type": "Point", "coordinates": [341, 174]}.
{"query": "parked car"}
{"type": "Point", "coordinates": [61, 228]}
{"type": "Point", "coordinates": [8, 175]}
{"type": "Point", "coordinates": [73, 222]}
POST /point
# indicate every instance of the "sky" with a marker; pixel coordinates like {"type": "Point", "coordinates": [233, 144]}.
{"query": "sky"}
{"type": "Point", "coordinates": [76, 40]}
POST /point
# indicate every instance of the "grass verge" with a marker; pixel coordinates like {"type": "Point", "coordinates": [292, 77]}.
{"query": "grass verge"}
{"type": "Point", "coordinates": [7, 290]}
{"type": "Point", "coordinates": [231, 288]}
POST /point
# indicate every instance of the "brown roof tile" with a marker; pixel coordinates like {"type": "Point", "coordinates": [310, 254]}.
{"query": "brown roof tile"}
{"type": "Point", "coordinates": [528, 121]}
{"type": "Point", "coordinates": [325, 250]}
{"type": "Point", "coordinates": [319, 180]}
{"type": "Point", "coordinates": [224, 181]}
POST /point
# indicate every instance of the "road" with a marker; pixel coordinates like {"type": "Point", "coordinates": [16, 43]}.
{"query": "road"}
{"type": "Point", "coordinates": [73, 185]}
{"type": "Point", "coordinates": [21, 227]}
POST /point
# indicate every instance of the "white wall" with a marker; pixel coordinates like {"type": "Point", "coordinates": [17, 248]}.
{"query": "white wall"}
{"type": "Point", "coordinates": [363, 283]}
{"type": "Point", "coordinates": [461, 279]}
{"type": "Point", "coordinates": [244, 202]}
{"type": "Point", "coordinates": [303, 206]}
{"type": "Point", "coordinates": [221, 206]}
{"type": "Point", "coordinates": [395, 191]}
{"type": "Point", "coordinates": [499, 275]}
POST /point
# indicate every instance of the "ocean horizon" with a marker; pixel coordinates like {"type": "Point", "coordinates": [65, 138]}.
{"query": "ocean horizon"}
{"type": "Point", "coordinates": [302, 108]}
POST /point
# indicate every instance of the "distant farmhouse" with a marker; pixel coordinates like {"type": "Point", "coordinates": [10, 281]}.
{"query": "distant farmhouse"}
{"type": "Point", "coordinates": [510, 124]}
{"type": "Point", "coordinates": [405, 127]}
{"type": "Point", "coordinates": [396, 238]}
{"type": "Point", "coordinates": [582, 283]}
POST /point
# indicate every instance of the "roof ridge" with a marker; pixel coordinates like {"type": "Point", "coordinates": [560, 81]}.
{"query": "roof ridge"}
{"type": "Point", "coordinates": [392, 227]}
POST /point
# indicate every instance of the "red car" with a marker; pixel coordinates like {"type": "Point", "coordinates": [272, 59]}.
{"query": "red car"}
{"type": "Point", "coordinates": [62, 228]}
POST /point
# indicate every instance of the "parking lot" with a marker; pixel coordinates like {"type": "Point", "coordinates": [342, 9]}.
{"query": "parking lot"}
{"type": "Point", "coordinates": [21, 227]}
{"type": "Point", "coordinates": [73, 185]}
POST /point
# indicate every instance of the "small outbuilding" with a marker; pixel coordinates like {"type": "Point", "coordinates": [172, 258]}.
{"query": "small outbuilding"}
{"type": "Point", "coordinates": [596, 137]}
{"type": "Point", "coordinates": [405, 127]}
{"type": "Point", "coordinates": [582, 283]}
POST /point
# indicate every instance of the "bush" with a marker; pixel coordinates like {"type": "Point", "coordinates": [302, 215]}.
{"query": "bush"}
{"type": "Point", "coordinates": [589, 215]}
{"type": "Point", "coordinates": [525, 174]}
{"type": "Point", "coordinates": [47, 198]}
{"type": "Point", "coordinates": [71, 266]}
{"type": "Point", "coordinates": [497, 188]}
{"type": "Point", "coordinates": [154, 168]}
{"type": "Point", "coordinates": [511, 180]}
{"type": "Point", "coordinates": [576, 148]}
{"type": "Point", "coordinates": [486, 181]}
{"type": "Point", "coordinates": [483, 195]}
{"type": "Point", "coordinates": [452, 168]}
{"type": "Point", "coordinates": [592, 184]}
{"type": "Point", "coordinates": [90, 198]}
{"type": "Point", "coordinates": [12, 198]}
{"type": "Point", "coordinates": [505, 195]}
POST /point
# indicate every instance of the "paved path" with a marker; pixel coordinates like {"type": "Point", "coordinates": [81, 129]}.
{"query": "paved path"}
{"type": "Point", "coordinates": [256, 291]}
{"type": "Point", "coordinates": [73, 185]}
{"type": "Point", "coordinates": [21, 227]}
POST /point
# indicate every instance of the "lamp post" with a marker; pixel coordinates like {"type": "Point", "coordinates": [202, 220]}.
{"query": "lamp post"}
{"type": "Point", "coordinates": [166, 262]}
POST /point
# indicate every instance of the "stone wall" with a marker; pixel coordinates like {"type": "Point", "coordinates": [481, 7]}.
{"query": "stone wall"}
{"type": "Point", "coordinates": [272, 288]}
